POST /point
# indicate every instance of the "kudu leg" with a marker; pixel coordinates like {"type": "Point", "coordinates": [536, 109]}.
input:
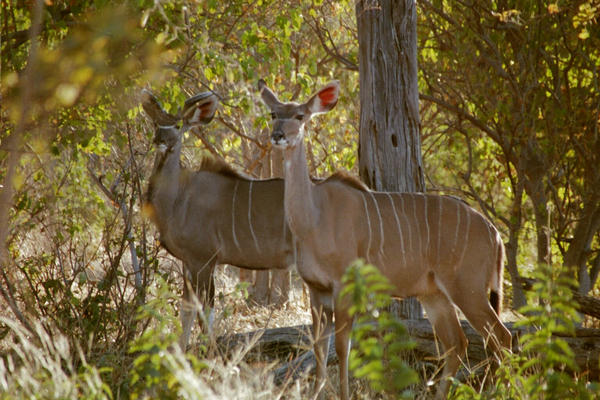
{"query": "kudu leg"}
{"type": "Point", "coordinates": [343, 325]}
{"type": "Point", "coordinates": [443, 318]}
{"type": "Point", "coordinates": [484, 319]}
{"type": "Point", "coordinates": [187, 312]}
{"type": "Point", "coordinates": [198, 288]}
{"type": "Point", "coordinates": [322, 316]}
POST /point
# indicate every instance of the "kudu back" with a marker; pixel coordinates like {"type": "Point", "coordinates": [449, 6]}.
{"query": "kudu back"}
{"type": "Point", "coordinates": [213, 215]}
{"type": "Point", "coordinates": [434, 247]}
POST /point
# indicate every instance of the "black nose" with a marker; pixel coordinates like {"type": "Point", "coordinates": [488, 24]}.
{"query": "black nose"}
{"type": "Point", "coordinates": [276, 136]}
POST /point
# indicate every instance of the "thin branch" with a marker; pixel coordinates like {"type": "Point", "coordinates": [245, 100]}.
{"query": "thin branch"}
{"type": "Point", "coordinates": [242, 135]}
{"type": "Point", "coordinates": [14, 141]}
{"type": "Point", "coordinates": [496, 136]}
{"type": "Point", "coordinates": [332, 51]}
{"type": "Point", "coordinates": [120, 204]}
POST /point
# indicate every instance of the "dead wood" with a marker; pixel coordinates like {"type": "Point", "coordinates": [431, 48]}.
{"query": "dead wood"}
{"type": "Point", "coordinates": [293, 346]}
{"type": "Point", "coordinates": [587, 305]}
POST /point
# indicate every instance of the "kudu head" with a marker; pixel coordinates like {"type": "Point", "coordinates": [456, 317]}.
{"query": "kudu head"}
{"type": "Point", "coordinates": [289, 118]}
{"type": "Point", "coordinates": [197, 110]}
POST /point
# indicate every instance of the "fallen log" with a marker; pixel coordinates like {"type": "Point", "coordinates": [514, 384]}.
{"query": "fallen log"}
{"type": "Point", "coordinates": [587, 305]}
{"type": "Point", "coordinates": [293, 346]}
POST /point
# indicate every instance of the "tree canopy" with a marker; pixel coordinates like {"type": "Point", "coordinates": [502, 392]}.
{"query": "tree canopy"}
{"type": "Point", "coordinates": [510, 121]}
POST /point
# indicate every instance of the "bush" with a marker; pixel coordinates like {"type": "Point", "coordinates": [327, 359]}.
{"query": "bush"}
{"type": "Point", "coordinates": [545, 367]}
{"type": "Point", "coordinates": [378, 338]}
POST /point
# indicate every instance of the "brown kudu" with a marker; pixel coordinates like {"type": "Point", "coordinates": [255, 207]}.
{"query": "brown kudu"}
{"type": "Point", "coordinates": [213, 215]}
{"type": "Point", "coordinates": [434, 247]}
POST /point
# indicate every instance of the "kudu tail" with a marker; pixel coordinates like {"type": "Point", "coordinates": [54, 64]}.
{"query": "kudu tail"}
{"type": "Point", "coordinates": [496, 294]}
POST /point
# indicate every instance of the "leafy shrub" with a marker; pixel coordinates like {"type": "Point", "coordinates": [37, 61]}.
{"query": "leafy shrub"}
{"type": "Point", "coordinates": [162, 370]}
{"type": "Point", "coordinates": [156, 348]}
{"type": "Point", "coordinates": [378, 338]}
{"type": "Point", "coordinates": [545, 367]}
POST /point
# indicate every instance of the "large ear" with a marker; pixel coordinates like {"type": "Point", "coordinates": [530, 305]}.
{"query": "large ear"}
{"type": "Point", "coordinates": [325, 99]}
{"type": "Point", "coordinates": [199, 109]}
{"type": "Point", "coordinates": [267, 95]}
{"type": "Point", "coordinates": [155, 111]}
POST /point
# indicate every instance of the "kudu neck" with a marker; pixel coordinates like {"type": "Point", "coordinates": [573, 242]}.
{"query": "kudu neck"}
{"type": "Point", "coordinates": [164, 182]}
{"type": "Point", "coordinates": [300, 204]}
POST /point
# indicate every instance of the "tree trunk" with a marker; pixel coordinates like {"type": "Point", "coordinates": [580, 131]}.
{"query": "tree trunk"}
{"type": "Point", "coordinates": [512, 247]}
{"type": "Point", "coordinates": [518, 295]}
{"type": "Point", "coordinates": [534, 174]}
{"type": "Point", "coordinates": [579, 252]}
{"type": "Point", "coordinates": [390, 144]}
{"type": "Point", "coordinates": [587, 305]}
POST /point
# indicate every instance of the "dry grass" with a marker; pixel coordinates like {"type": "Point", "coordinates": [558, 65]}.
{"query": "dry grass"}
{"type": "Point", "coordinates": [248, 316]}
{"type": "Point", "coordinates": [235, 314]}
{"type": "Point", "coordinates": [47, 363]}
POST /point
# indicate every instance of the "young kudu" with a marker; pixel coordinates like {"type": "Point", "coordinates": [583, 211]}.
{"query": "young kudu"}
{"type": "Point", "coordinates": [213, 215]}
{"type": "Point", "coordinates": [434, 247]}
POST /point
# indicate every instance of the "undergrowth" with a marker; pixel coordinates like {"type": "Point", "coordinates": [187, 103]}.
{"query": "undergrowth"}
{"type": "Point", "coordinates": [42, 363]}
{"type": "Point", "coordinates": [44, 366]}
{"type": "Point", "coordinates": [544, 367]}
{"type": "Point", "coordinates": [379, 340]}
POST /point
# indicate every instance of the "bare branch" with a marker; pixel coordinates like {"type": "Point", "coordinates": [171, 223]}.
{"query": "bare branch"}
{"type": "Point", "coordinates": [495, 135]}
{"type": "Point", "coordinates": [331, 50]}
{"type": "Point", "coordinates": [242, 135]}
{"type": "Point", "coordinates": [14, 142]}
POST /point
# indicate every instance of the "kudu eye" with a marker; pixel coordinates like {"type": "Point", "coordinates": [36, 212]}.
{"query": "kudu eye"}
{"type": "Point", "coordinates": [273, 116]}
{"type": "Point", "coordinates": [299, 117]}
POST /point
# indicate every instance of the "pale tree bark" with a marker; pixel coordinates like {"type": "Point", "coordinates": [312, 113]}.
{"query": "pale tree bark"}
{"type": "Point", "coordinates": [390, 143]}
{"type": "Point", "coordinates": [512, 247]}
{"type": "Point", "coordinates": [578, 255]}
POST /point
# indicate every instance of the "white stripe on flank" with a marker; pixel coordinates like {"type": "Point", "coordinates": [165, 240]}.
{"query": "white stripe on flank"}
{"type": "Point", "coordinates": [381, 234]}
{"type": "Point", "coordinates": [419, 240]}
{"type": "Point", "coordinates": [368, 224]}
{"type": "Point", "coordinates": [409, 233]}
{"type": "Point", "coordinates": [457, 229]}
{"type": "Point", "coordinates": [491, 232]}
{"type": "Point", "coordinates": [399, 230]}
{"type": "Point", "coordinates": [235, 240]}
{"type": "Point", "coordinates": [284, 230]}
{"type": "Point", "coordinates": [465, 238]}
{"type": "Point", "coordinates": [439, 243]}
{"type": "Point", "coordinates": [250, 216]}
{"type": "Point", "coordinates": [426, 219]}
{"type": "Point", "coordinates": [492, 236]}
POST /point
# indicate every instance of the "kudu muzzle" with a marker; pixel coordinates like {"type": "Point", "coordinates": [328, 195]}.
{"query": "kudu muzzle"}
{"type": "Point", "coordinates": [277, 137]}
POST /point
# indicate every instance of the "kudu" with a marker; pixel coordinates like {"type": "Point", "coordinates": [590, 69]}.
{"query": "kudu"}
{"type": "Point", "coordinates": [213, 215]}
{"type": "Point", "coordinates": [434, 247]}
